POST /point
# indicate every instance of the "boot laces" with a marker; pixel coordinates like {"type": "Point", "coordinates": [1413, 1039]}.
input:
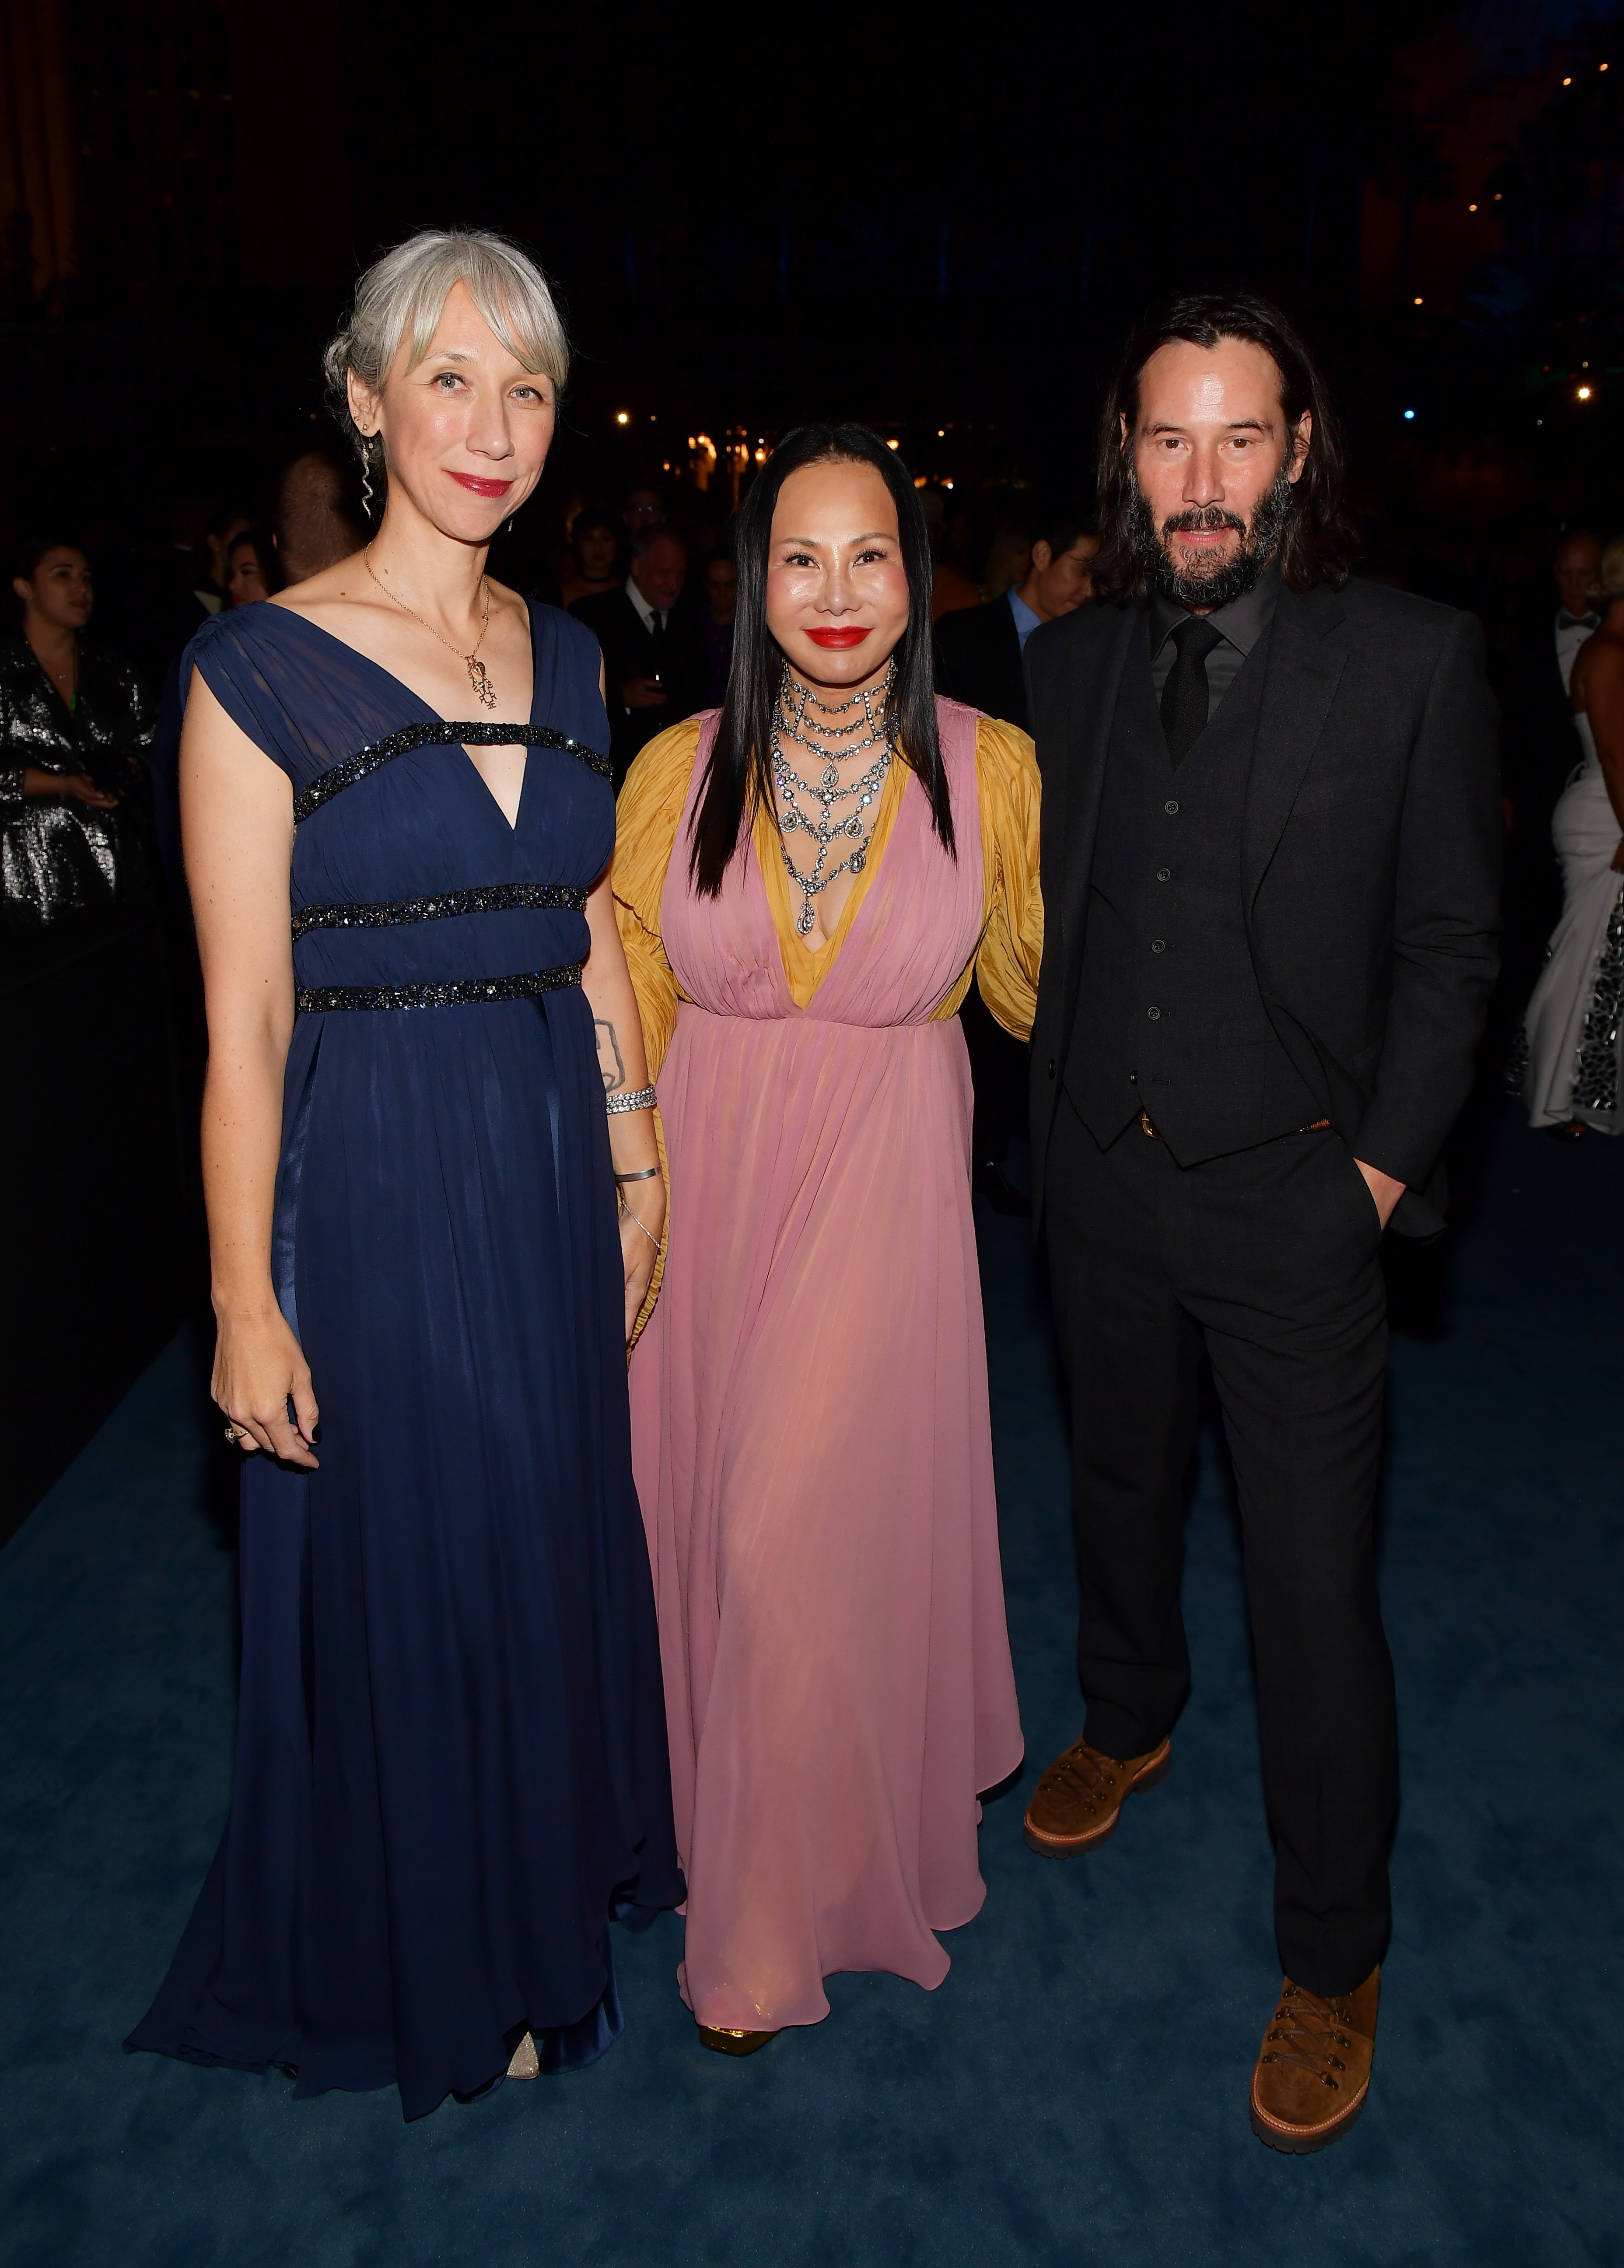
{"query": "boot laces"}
{"type": "Point", "coordinates": [1311, 2033]}
{"type": "Point", "coordinates": [1083, 1772]}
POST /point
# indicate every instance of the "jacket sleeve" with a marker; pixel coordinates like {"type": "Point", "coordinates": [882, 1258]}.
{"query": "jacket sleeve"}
{"type": "Point", "coordinates": [13, 764]}
{"type": "Point", "coordinates": [1011, 948]}
{"type": "Point", "coordinates": [1446, 920]}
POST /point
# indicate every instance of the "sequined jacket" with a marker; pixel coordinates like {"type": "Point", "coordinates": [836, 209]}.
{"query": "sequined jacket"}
{"type": "Point", "coordinates": [62, 863]}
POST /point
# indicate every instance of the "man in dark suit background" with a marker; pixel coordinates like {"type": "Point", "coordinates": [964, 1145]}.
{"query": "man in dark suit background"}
{"type": "Point", "coordinates": [1271, 836]}
{"type": "Point", "coordinates": [979, 650]}
{"type": "Point", "coordinates": [653, 645]}
{"type": "Point", "coordinates": [979, 661]}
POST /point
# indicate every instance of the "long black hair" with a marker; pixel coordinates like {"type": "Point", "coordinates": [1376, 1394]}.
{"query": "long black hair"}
{"type": "Point", "coordinates": [1317, 544]}
{"type": "Point", "coordinates": [738, 780]}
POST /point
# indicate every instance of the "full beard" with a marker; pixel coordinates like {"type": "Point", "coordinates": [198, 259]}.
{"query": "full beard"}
{"type": "Point", "coordinates": [1226, 579]}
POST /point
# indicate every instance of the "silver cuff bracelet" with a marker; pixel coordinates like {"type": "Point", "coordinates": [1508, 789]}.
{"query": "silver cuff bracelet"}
{"type": "Point", "coordinates": [640, 1098]}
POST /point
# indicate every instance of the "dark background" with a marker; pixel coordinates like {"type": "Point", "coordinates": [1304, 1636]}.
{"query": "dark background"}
{"type": "Point", "coordinates": [938, 220]}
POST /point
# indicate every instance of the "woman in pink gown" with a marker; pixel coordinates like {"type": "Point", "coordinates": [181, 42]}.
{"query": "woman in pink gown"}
{"type": "Point", "coordinates": [811, 1436]}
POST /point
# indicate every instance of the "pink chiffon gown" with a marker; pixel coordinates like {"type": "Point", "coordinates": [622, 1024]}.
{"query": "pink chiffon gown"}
{"type": "Point", "coordinates": [811, 1437]}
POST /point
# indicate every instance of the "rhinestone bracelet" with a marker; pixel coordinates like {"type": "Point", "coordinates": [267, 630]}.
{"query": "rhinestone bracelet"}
{"type": "Point", "coordinates": [640, 1098]}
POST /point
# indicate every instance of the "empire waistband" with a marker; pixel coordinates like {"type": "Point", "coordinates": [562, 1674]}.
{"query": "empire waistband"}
{"type": "Point", "coordinates": [495, 898]}
{"type": "Point", "coordinates": [463, 993]}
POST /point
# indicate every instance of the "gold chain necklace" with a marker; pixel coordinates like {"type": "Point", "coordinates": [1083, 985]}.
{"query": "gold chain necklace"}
{"type": "Point", "coordinates": [479, 676]}
{"type": "Point", "coordinates": [67, 678]}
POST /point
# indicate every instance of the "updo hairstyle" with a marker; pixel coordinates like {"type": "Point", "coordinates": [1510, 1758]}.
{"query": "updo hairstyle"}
{"type": "Point", "coordinates": [402, 296]}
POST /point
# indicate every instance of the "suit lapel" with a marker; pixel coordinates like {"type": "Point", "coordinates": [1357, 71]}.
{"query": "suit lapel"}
{"type": "Point", "coordinates": [1305, 662]}
{"type": "Point", "coordinates": [1097, 677]}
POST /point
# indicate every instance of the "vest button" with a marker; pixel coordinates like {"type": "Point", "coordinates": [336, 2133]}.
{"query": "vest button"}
{"type": "Point", "coordinates": [1159, 944]}
{"type": "Point", "coordinates": [1155, 1014]}
{"type": "Point", "coordinates": [1051, 1067]}
{"type": "Point", "coordinates": [1164, 874]}
{"type": "Point", "coordinates": [1171, 809]}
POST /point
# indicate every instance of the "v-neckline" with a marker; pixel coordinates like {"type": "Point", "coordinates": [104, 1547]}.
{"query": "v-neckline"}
{"type": "Point", "coordinates": [68, 709]}
{"type": "Point", "coordinates": [401, 686]}
{"type": "Point", "coordinates": [804, 970]}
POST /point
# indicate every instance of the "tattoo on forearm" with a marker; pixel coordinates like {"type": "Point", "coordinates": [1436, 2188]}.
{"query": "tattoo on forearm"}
{"type": "Point", "coordinates": [609, 1061]}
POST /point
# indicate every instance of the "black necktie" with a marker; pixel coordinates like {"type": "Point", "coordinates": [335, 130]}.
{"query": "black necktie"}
{"type": "Point", "coordinates": [656, 643]}
{"type": "Point", "coordinates": [1184, 697]}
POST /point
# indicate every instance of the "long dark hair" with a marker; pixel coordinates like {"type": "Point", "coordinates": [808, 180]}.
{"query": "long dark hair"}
{"type": "Point", "coordinates": [1317, 544]}
{"type": "Point", "coordinates": [739, 779]}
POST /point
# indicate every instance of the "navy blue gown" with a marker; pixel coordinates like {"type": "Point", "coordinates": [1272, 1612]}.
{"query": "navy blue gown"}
{"type": "Point", "coordinates": [451, 1747]}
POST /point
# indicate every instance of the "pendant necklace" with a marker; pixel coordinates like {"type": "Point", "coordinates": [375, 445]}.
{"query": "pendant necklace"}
{"type": "Point", "coordinates": [791, 722]}
{"type": "Point", "coordinates": [66, 681]}
{"type": "Point", "coordinates": [479, 676]}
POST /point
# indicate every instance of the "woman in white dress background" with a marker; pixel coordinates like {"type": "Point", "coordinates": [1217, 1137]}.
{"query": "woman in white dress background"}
{"type": "Point", "coordinates": [1573, 1030]}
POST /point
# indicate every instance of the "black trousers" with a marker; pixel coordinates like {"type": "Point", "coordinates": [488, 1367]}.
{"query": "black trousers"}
{"type": "Point", "coordinates": [1268, 1258]}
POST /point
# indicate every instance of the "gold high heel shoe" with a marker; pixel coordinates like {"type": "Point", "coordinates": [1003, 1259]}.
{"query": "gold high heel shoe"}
{"type": "Point", "coordinates": [526, 2062]}
{"type": "Point", "coordinates": [726, 2041]}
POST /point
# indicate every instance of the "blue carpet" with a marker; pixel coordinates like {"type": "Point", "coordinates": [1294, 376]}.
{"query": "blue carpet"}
{"type": "Point", "coordinates": [1075, 2092]}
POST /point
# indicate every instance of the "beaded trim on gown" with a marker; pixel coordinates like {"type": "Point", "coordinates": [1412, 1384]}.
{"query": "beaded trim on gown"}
{"type": "Point", "coordinates": [451, 1749]}
{"type": "Point", "coordinates": [1570, 1055]}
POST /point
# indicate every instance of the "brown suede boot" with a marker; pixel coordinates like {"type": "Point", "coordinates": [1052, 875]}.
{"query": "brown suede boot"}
{"type": "Point", "coordinates": [1080, 1797]}
{"type": "Point", "coordinates": [1314, 2073]}
{"type": "Point", "coordinates": [728, 2040]}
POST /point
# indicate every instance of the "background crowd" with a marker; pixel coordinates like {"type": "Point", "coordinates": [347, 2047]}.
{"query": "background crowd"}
{"type": "Point", "coordinates": [91, 840]}
{"type": "Point", "coordinates": [96, 961]}
{"type": "Point", "coordinates": [1434, 188]}
{"type": "Point", "coordinates": [99, 625]}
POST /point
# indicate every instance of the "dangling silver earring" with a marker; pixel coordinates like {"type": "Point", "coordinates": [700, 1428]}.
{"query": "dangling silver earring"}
{"type": "Point", "coordinates": [510, 523]}
{"type": "Point", "coordinates": [366, 475]}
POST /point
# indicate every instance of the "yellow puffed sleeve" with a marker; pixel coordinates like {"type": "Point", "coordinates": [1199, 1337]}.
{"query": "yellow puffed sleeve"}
{"type": "Point", "coordinates": [1011, 948]}
{"type": "Point", "coordinates": [646, 820]}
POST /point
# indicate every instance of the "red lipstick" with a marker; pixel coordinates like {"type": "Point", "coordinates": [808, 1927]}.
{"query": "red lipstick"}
{"type": "Point", "coordinates": [837, 641]}
{"type": "Point", "coordinates": [482, 487]}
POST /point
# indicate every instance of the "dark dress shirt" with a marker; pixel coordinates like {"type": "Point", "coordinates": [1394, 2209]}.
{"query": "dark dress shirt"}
{"type": "Point", "coordinates": [1240, 625]}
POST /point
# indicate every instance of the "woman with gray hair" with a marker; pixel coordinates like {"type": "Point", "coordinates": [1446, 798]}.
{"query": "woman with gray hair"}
{"type": "Point", "coordinates": [427, 1099]}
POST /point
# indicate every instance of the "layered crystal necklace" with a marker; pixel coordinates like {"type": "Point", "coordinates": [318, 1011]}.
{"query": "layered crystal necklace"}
{"type": "Point", "coordinates": [870, 725]}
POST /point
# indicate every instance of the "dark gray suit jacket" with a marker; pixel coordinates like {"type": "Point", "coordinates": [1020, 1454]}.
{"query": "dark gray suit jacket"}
{"type": "Point", "coordinates": [1371, 860]}
{"type": "Point", "coordinates": [978, 661]}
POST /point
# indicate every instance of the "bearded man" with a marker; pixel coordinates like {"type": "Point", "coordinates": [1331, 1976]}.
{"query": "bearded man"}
{"type": "Point", "coordinates": [1271, 842]}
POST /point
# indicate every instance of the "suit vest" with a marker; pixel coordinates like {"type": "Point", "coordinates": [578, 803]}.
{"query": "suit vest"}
{"type": "Point", "coordinates": [1169, 1016]}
